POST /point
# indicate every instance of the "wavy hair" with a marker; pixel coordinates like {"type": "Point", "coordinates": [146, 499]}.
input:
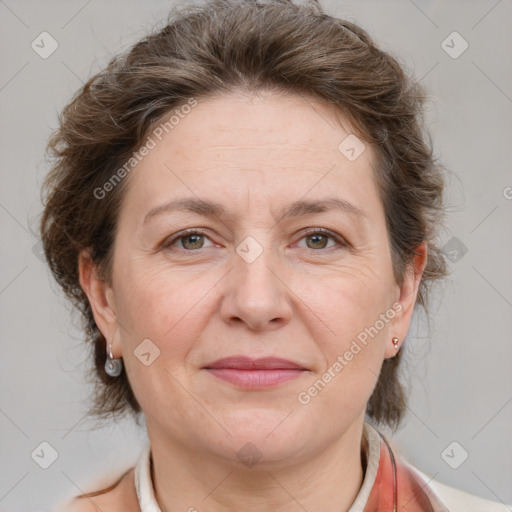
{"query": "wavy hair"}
{"type": "Point", "coordinates": [230, 46]}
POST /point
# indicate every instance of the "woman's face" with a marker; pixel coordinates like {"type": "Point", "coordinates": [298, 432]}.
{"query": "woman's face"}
{"type": "Point", "coordinates": [292, 262]}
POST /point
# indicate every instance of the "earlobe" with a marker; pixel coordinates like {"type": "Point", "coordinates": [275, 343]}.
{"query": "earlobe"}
{"type": "Point", "coordinates": [100, 296]}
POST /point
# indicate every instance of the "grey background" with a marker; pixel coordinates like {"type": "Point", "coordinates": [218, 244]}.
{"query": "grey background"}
{"type": "Point", "coordinates": [459, 370]}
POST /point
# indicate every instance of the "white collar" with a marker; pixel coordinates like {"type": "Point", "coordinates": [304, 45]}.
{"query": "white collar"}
{"type": "Point", "coordinates": [148, 503]}
{"type": "Point", "coordinates": [372, 466]}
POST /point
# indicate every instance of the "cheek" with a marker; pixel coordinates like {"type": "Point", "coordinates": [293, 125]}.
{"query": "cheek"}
{"type": "Point", "coordinates": [170, 311]}
{"type": "Point", "coordinates": [352, 354]}
{"type": "Point", "coordinates": [351, 335]}
{"type": "Point", "coordinates": [349, 300]}
{"type": "Point", "coordinates": [164, 306]}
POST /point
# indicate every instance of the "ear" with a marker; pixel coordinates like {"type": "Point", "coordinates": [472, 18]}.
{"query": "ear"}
{"type": "Point", "coordinates": [407, 300]}
{"type": "Point", "coordinates": [101, 299]}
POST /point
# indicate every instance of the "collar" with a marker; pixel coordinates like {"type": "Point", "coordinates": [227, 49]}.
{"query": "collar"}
{"type": "Point", "coordinates": [371, 448]}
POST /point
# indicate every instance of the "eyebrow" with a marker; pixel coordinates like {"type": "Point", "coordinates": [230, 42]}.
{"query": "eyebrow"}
{"type": "Point", "coordinates": [295, 209]}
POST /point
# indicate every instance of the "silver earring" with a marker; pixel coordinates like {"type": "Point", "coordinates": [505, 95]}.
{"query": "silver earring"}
{"type": "Point", "coordinates": [113, 366]}
{"type": "Point", "coordinates": [395, 342]}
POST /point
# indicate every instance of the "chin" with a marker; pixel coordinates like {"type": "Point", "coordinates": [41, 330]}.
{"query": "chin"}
{"type": "Point", "coordinates": [263, 437]}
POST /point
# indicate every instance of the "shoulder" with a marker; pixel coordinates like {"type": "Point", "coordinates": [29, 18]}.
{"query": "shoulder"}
{"type": "Point", "coordinates": [120, 495]}
{"type": "Point", "coordinates": [457, 500]}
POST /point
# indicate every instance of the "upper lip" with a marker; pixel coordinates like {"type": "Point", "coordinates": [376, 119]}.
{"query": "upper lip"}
{"type": "Point", "coordinates": [248, 363]}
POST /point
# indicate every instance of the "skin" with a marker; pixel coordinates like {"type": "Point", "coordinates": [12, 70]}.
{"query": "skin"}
{"type": "Point", "coordinates": [305, 298]}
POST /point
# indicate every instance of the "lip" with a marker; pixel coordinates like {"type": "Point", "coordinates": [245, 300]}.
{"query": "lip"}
{"type": "Point", "coordinates": [248, 373]}
{"type": "Point", "coordinates": [248, 363]}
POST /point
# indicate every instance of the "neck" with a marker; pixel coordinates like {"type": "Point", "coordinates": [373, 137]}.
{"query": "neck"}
{"type": "Point", "coordinates": [189, 480]}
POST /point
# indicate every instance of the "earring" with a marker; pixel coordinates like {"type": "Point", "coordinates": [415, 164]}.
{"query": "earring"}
{"type": "Point", "coordinates": [395, 342]}
{"type": "Point", "coordinates": [113, 366]}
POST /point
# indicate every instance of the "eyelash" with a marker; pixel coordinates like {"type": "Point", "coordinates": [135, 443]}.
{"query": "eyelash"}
{"type": "Point", "coordinates": [308, 232]}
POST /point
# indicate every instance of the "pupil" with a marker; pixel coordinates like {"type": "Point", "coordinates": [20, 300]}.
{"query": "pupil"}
{"type": "Point", "coordinates": [316, 238]}
{"type": "Point", "coordinates": [194, 239]}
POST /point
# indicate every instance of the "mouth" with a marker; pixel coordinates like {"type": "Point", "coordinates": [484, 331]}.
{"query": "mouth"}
{"type": "Point", "coordinates": [254, 374]}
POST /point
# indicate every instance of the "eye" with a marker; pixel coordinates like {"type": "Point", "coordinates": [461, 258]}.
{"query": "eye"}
{"type": "Point", "coordinates": [189, 240]}
{"type": "Point", "coordinates": [318, 238]}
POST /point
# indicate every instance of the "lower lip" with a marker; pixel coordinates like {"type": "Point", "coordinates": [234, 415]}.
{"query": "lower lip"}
{"type": "Point", "coordinates": [255, 379]}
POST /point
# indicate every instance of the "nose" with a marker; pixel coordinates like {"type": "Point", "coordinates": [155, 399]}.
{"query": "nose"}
{"type": "Point", "coordinates": [256, 295]}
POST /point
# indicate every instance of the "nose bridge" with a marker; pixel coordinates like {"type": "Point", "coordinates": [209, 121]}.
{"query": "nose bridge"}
{"type": "Point", "coordinates": [254, 279]}
{"type": "Point", "coordinates": [253, 264]}
{"type": "Point", "coordinates": [256, 295]}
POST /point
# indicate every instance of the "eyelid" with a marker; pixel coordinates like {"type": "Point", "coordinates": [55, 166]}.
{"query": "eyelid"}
{"type": "Point", "coordinates": [169, 241]}
{"type": "Point", "coordinates": [190, 231]}
{"type": "Point", "coordinates": [338, 238]}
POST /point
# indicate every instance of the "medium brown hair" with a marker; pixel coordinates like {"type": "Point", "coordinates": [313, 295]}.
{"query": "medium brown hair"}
{"type": "Point", "coordinates": [228, 46]}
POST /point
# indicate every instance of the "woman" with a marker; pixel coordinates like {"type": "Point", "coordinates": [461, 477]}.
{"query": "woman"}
{"type": "Point", "coordinates": [244, 208]}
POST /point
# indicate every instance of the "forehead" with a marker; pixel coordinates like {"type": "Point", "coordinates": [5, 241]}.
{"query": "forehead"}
{"type": "Point", "coordinates": [228, 122]}
{"type": "Point", "coordinates": [261, 145]}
